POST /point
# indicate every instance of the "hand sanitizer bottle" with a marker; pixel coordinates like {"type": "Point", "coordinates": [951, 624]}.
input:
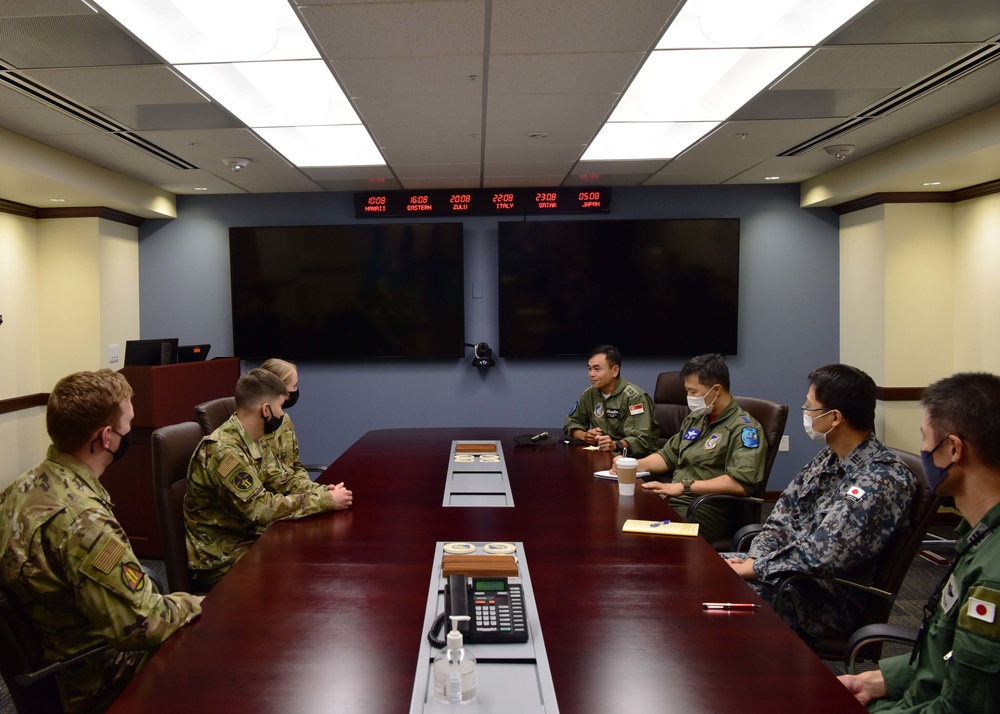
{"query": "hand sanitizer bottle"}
{"type": "Point", "coordinates": [455, 669]}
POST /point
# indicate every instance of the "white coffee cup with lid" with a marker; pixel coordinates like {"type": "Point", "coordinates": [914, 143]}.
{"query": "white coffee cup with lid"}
{"type": "Point", "coordinates": [626, 468]}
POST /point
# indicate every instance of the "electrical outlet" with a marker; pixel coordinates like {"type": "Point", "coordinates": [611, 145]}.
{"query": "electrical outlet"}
{"type": "Point", "coordinates": [112, 353]}
{"type": "Point", "coordinates": [783, 445]}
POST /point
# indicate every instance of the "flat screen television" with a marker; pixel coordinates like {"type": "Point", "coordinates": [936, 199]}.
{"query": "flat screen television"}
{"type": "Point", "coordinates": [652, 288]}
{"type": "Point", "coordinates": [150, 353]}
{"type": "Point", "coordinates": [348, 292]}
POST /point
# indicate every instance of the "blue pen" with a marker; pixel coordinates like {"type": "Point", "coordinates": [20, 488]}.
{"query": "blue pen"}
{"type": "Point", "coordinates": [661, 523]}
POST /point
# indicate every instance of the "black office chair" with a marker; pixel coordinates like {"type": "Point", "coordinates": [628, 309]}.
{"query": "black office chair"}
{"type": "Point", "coordinates": [27, 675]}
{"type": "Point", "coordinates": [214, 413]}
{"type": "Point", "coordinates": [172, 447]}
{"type": "Point", "coordinates": [745, 510]}
{"type": "Point", "coordinates": [891, 567]}
{"type": "Point", "coordinates": [669, 403]}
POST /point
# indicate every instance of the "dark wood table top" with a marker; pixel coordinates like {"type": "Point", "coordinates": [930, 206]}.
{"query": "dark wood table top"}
{"type": "Point", "coordinates": [326, 613]}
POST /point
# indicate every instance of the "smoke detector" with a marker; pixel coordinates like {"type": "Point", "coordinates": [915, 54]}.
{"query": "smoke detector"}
{"type": "Point", "coordinates": [839, 152]}
{"type": "Point", "coordinates": [235, 163]}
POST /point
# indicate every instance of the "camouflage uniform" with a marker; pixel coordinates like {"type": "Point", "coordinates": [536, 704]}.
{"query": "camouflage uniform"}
{"type": "Point", "coordinates": [833, 519]}
{"type": "Point", "coordinates": [958, 663]}
{"type": "Point", "coordinates": [732, 444]}
{"type": "Point", "coordinates": [293, 477]}
{"type": "Point", "coordinates": [626, 413]}
{"type": "Point", "coordinates": [68, 560]}
{"type": "Point", "coordinates": [236, 488]}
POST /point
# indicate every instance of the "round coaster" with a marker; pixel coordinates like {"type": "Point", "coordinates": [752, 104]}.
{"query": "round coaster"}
{"type": "Point", "coordinates": [459, 548]}
{"type": "Point", "coordinates": [499, 548]}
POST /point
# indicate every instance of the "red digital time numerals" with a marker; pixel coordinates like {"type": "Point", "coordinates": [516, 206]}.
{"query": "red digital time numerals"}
{"type": "Point", "coordinates": [546, 200]}
{"type": "Point", "coordinates": [375, 204]}
{"type": "Point", "coordinates": [503, 201]}
{"type": "Point", "coordinates": [421, 202]}
{"type": "Point", "coordinates": [589, 199]}
{"type": "Point", "coordinates": [460, 201]}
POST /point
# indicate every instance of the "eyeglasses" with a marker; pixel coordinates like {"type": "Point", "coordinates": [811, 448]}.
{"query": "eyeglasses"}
{"type": "Point", "coordinates": [812, 409]}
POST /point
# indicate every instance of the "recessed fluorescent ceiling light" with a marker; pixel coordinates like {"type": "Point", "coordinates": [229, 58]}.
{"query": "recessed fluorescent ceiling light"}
{"type": "Point", "coordinates": [255, 59]}
{"type": "Point", "coordinates": [715, 56]}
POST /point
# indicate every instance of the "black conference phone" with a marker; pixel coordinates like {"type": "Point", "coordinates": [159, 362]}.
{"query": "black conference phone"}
{"type": "Point", "coordinates": [495, 608]}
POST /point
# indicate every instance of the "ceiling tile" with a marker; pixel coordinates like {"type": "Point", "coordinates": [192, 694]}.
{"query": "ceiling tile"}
{"type": "Point", "coordinates": [158, 117]}
{"type": "Point", "coordinates": [573, 73]}
{"type": "Point", "coordinates": [559, 132]}
{"type": "Point", "coordinates": [119, 85]}
{"type": "Point", "coordinates": [922, 21]}
{"type": "Point", "coordinates": [87, 40]}
{"type": "Point", "coordinates": [408, 76]}
{"type": "Point", "coordinates": [542, 108]}
{"type": "Point", "coordinates": [763, 138]}
{"type": "Point", "coordinates": [809, 103]}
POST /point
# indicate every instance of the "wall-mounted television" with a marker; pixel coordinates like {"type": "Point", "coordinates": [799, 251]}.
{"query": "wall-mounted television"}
{"type": "Point", "coordinates": [652, 288]}
{"type": "Point", "coordinates": [348, 292]}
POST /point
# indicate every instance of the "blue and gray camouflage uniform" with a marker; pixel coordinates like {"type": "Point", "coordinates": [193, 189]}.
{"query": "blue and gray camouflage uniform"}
{"type": "Point", "coordinates": [833, 519]}
{"type": "Point", "coordinates": [958, 663]}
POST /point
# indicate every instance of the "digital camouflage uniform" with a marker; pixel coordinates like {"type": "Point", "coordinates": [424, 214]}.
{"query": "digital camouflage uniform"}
{"type": "Point", "coordinates": [834, 519]}
{"type": "Point", "coordinates": [732, 444]}
{"type": "Point", "coordinates": [66, 558]}
{"type": "Point", "coordinates": [293, 477]}
{"type": "Point", "coordinates": [958, 662]}
{"type": "Point", "coordinates": [236, 488]}
{"type": "Point", "coordinates": [626, 413]}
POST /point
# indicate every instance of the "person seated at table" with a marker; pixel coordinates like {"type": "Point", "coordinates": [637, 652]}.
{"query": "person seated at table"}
{"type": "Point", "coordinates": [720, 448]}
{"type": "Point", "coordinates": [230, 497]}
{"type": "Point", "coordinates": [613, 414]}
{"type": "Point", "coordinates": [65, 557]}
{"type": "Point", "coordinates": [293, 477]}
{"type": "Point", "coordinates": [838, 513]}
{"type": "Point", "coordinates": [954, 667]}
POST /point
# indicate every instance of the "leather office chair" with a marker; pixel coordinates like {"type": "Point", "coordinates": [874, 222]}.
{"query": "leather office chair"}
{"type": "Point", "coordinates": [747, 509]}
{"type": "Point", "coordinates": [669, 403]}
{"type": "Point", "coordinates": [172, 447]}
{"type": "Point", "coordinates": [213, 413]}
{"type": "Point", "coordinates": [890, 569]}
{"type": "Point", "coordinates": [26, 674]}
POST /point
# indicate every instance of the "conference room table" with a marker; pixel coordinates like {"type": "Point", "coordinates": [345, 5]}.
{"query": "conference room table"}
{"type": "Point", "coordinates": [325, 614]}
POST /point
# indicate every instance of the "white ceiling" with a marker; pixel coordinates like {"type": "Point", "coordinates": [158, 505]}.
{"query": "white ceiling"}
{"type": "Point", "coordinates": [451, 89]}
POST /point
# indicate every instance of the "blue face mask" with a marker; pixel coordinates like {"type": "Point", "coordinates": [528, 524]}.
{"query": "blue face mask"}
{"type": "Point", "coordinates": [935, 474]}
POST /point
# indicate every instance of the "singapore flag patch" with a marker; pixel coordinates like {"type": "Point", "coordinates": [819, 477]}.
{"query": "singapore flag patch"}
{"type": "Point", "coordinates": [636, 409]}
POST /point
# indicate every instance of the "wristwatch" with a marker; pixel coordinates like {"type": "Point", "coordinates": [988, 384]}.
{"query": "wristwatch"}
{"type": "Point", "coordinates": [687, 481]}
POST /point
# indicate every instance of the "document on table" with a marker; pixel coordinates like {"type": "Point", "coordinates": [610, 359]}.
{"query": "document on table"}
{"type": "Point", "coordinates": [633, 525]}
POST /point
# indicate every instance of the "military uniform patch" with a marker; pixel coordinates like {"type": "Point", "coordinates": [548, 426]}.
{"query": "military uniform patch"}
{"type": "Point", "coordinates": [228, 465]}
{"type": "Point", "coordinates": [109, 555]}
{"type": "Point", "coordinates": [573, 410]}
{"type": "Point", "coordinates": [692, 434]}
{"type": "Point", "coordinates": [598, 410]}
{"type": "Point", "coordinates": [133, 577]}
{"type": "Point", "coordinates": [979, 612]}
{"type": "Point", "coordinates": [614, 414]}
{"type": "Point", "coordinates": [636, 409]}
{"type": "Point", "coordinates": [855, 493]}
{"type": "Point", "coordinates": [712, 442]}
{"type": "Point", "coordinates": [243, 481]}
{"type": "Point", "coordinates": [750, 437]}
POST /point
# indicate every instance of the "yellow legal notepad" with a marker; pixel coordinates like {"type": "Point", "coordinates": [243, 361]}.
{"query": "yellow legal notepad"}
{"type": "Point", "coordinates": [660, 528]}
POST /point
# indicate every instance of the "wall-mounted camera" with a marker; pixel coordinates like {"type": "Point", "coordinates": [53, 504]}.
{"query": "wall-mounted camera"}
{"type": "Point", "coordinates": [482, 356]}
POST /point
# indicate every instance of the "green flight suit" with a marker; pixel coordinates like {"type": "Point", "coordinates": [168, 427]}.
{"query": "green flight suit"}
{"type": "Point", "coordinates": [66, 558]}
{"type": "Point", "coordinates": [626, 413]}
{"type": "Point", "coordinates": [958, 662]}
{"type": "Point", "coordinates": [234, 492]}
{"type": "Point", "coordinates": [732, 444]}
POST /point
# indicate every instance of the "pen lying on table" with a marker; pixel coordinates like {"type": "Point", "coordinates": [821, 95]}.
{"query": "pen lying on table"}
{"type": "Point", "coordinates": [729, 605]}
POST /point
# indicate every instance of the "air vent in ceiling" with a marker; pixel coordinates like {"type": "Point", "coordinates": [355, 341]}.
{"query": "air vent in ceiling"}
{"type": "Point", "coordinates": [88, 116]}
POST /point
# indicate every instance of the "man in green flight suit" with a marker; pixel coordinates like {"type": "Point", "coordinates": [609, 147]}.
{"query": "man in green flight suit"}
{"type": "Point", "coordinates": [66, 558]}
{"type": "Point", "coordinates": [719, 448]}
{"type": "Point", "coordinates": [232, 494]}
{"type": "Point", "coordinates": [955, 664]}
{"type": "Point", "coordinates": [613, 414]}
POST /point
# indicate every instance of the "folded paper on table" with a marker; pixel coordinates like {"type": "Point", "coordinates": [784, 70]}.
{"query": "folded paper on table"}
{"type": "Point", "coordinates": [633, 525]}
{"type": "Point", "coordinates": [612, 477]}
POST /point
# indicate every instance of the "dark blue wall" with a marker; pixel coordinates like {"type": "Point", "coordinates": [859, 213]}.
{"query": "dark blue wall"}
{"type": "Point", "coordinates": [789, 315]}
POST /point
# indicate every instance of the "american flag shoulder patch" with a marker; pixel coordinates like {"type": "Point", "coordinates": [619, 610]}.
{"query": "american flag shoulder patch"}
{"type": "Point", "coordinates": [228, 465]}
{"type": "Point", "coordinates": [109, 555]}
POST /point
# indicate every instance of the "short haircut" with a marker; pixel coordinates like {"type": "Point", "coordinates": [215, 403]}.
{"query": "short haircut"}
{"type": "Point", "coordinates": [710, 369]}
{"type": "Point", "coordinates": [256, 387]}
{"type": "Point", "coordinates": [81, 403]}
{"type": "Point", "coordinates": [610, 351]}
{"type": "Point", "coordinates": [848, 390]}
{"type": "Point", "coordinates": [282, 369]}
{"type": "Point", "coordinates": [967, 405]}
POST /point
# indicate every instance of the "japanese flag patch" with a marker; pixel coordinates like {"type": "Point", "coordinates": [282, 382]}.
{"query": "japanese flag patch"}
{"type": "Point", "coordinates": [982, 610]}
{"type": "Point", "coordinates": [636, 410]}
{"type": "Point", "coordinates": [855, 493]}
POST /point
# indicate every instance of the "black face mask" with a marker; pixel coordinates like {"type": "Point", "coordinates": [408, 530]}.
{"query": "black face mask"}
{"type": "Point", "coordinates": [291, 399]}
{"type": "Point", "coordinates": [122, 447]}
{"type": "Point", "coordinates": [271, 424]}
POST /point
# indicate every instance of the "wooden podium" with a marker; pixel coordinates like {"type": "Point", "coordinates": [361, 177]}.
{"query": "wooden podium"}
{"type": "Point", "coordinates": [164, 395]}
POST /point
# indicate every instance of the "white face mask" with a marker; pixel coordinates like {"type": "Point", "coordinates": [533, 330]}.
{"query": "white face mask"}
{"type": "Point", "coordinates": [807, 424]}
{"type": "Point", "coordinates": [697, 404]}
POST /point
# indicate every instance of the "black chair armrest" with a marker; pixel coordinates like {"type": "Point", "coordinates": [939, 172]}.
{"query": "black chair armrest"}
{"type": "Point", "coordinates": [155, 579]}
{"type": "Point", "coordinates": [879, 632]}
{"type": "Point", "coordinates": [696, 503]}
{"type": "Point", "coordinates": [745, 535]}
{"type": "Point", "coordinates": [315, 468]}
{"type": "Point", "coordinates": [31, 677]}
{"type": "Point", "coordinates": [786, 581]}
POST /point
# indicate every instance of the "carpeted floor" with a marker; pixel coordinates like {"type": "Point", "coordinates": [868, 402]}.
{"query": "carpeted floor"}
{"type": "Point", "coordinates": [920, 582]}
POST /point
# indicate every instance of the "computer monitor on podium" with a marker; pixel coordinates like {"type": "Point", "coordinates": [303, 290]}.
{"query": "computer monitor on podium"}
{"type": "Point", "coordinates": [150, 353]}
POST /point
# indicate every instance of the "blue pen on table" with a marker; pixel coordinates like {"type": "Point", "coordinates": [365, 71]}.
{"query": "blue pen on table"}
{"type": "Point", "coordinates": [659, 523]}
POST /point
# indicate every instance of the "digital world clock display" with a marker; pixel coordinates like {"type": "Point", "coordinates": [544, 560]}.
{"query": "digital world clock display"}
{"type": "Point", "coordinates": [481, 202]}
